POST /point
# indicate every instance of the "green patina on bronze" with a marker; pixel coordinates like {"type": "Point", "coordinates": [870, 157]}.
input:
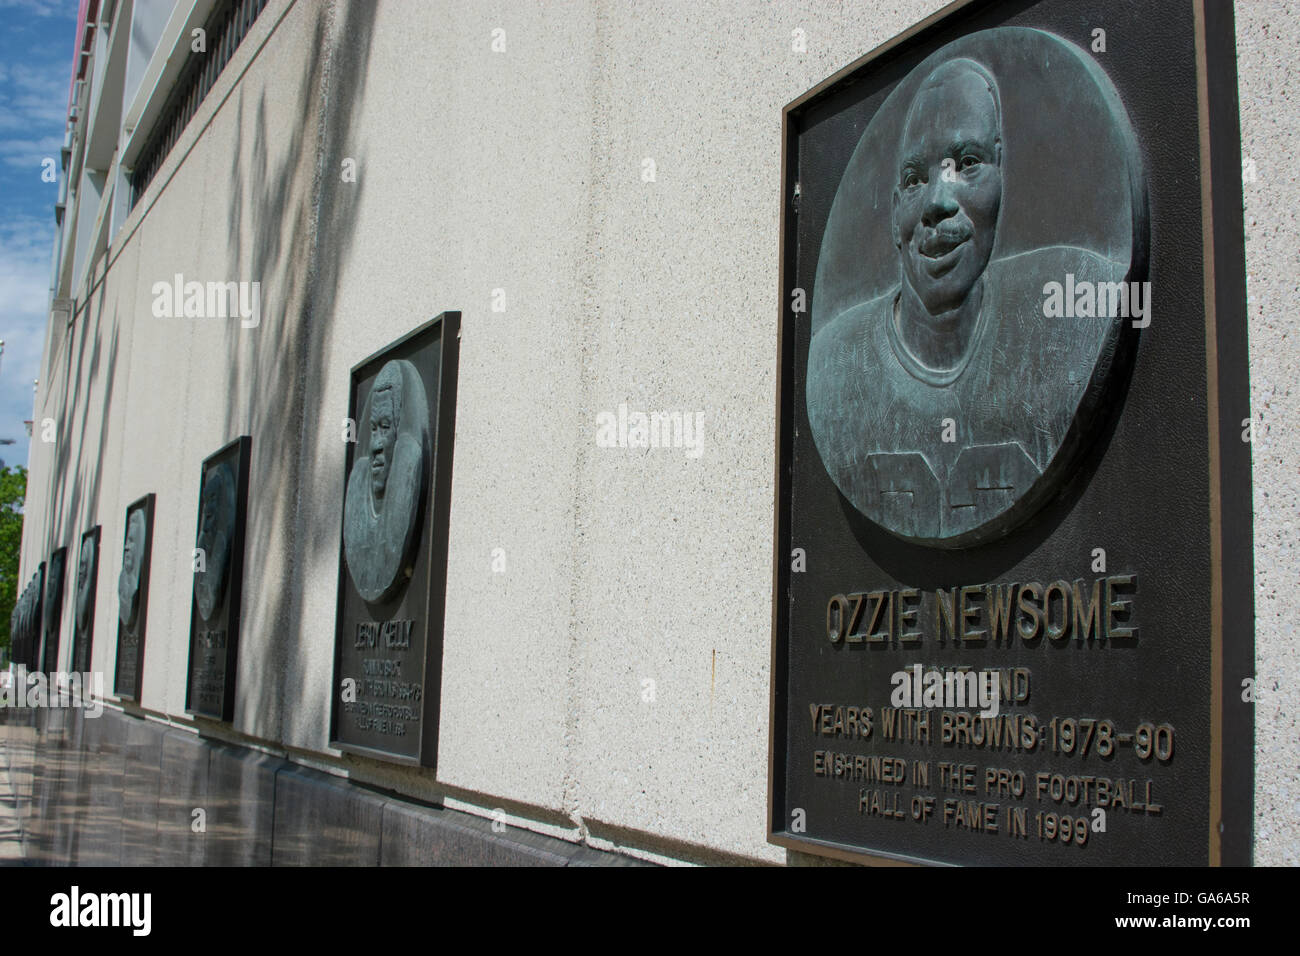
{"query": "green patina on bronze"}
{"type": "Point", "coordinates": [381, 518]}
{"type": "Point", "coordinates": [948, 407]}
{"type": "Point", "coordinates": [216, 533]}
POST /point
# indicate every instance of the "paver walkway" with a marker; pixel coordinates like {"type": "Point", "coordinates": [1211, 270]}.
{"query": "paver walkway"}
{"type": "Point", "coordinates": [11, 844]}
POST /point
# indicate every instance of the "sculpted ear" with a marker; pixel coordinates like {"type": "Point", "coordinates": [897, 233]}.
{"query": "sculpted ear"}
{"type": "Point", "coordinates": [893, 220]}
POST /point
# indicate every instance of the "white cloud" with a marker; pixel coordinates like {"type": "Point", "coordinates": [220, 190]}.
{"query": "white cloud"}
{"type": "Point", "coordinates": [33, 100]}
{"type": "Point", "coordinates": [34, 80]}
{"type": "Point", "coordinates": [30, 154]}
{"type": "Point", "coordinates": [26, 247]}
{"type": "Point", "coordinates": [39, 8]}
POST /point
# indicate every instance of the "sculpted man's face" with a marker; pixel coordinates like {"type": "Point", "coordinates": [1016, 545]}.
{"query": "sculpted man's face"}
{"type": "Point", "coordinates": [128, 583]}
{"type": "Point", "coordinates": [944, 225]}
{"type": "Point", "coordinates": [83, 566]}
{"type": "Point", "coordinates": [208, 522]}
{"type": "Point", "coordinates": [383, 433]}
{"type": "Point", "coordinates": [130, 553]}
{"type": "Point", "coordinates": [83, 579]}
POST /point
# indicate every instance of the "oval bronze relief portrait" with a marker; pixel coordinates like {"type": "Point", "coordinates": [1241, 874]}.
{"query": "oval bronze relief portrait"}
{"type": "Point", "coordinates": [383, 510]}
{"type": "Point", "coordinates": [982, 267]}
{"type": "Point", "coordinates": [85, 573]}
{"type": "Point", "coordinates": [54, 581]}
{"type": "Point", "coordinates": [216, 529]}
{"type": "Point", "coordinates": [128, 582]}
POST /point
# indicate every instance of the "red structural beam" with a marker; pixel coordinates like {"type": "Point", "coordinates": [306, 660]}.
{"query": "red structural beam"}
{"type": "Point", "coordinates": [81, 54]}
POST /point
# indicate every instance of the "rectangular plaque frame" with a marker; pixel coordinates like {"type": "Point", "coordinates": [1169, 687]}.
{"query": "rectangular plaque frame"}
{"type": "Point", "coordinates": [32, 649]}
{"type": "Point", "coordinates": [52, 618]}
{"type": "Point", "coordinates": [138, 631]}
{"type": "Point", "coordinates": [82, 651]}
{"type": "Point", "coordinates": [436, 340]}
{"type": "Point", "coordinates": [238, 454]}
{"type": "Point", "coordinates": [1228, 781]}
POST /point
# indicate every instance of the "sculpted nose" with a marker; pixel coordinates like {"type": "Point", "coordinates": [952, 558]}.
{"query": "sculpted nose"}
{"type": "Point", "coordinates": [939, 202]}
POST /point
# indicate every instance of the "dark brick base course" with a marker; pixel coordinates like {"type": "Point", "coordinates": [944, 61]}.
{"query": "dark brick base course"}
{"type": "Point", "coordinates": [122, 790]}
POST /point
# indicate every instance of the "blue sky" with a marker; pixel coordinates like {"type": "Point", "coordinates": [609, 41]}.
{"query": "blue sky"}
{"type": "Point", "coordinates": [36, 47]}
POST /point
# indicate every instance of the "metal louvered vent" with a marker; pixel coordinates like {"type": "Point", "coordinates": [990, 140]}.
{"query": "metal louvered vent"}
{"type": "Point", "coordinates": [225, 30]}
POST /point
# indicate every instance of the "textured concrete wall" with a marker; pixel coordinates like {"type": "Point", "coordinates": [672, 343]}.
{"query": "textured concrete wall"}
{"type": "Point", "coordinates": [141, 400]}
{"type": "Point", "coordinates": [612, 682]}
{"type": "Point", "coordinates": [1268, 36]}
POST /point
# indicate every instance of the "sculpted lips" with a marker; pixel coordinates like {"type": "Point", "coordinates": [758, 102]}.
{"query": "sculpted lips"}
{"type": "Point", "coordinates": [942, 248]}
{"type": "Point", "coordinates": [942, 242]}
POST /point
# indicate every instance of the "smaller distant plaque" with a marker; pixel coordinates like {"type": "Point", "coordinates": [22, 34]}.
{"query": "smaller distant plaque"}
{"type": "Point", "coordinates": [218, 582]}
{"type": "Point", "coordinates": [52, 620]}
{"type": "Point", "coordinates": [37, 615]}
{"type": "Point", "coordinates": [18, 627]}
{"type": "Point", "coordinates": [27, 622]}
{"type": "Point", "coordinates": [133, 599]}
{"type": "Point", "coordinates": [87, 578]}
{"type": "Point", "coordinates": [393, 560]}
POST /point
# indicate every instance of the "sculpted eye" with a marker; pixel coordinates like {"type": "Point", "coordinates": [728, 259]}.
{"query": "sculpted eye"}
{"type": "Point", "coordinates": [969, 161]}
{"type": "Point", "coordinates": [910, 179]}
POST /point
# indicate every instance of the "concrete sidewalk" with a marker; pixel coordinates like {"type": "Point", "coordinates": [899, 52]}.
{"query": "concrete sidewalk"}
{"type": "Point", "coordinates": [11, 844]}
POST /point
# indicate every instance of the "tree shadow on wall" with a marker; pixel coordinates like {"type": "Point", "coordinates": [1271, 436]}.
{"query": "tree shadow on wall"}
{"type": "Point", "coordinates": [296, 242]}
{"type": "Point", "coordinates": [74, 479]}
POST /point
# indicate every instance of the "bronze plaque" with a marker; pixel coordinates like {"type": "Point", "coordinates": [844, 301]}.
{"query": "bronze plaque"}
{"type": "Point", "coordinates": [133, 599]}
{"type": "Point", "coordinates": [52, 620]}
{"type": "Point", "coordinates": [393, 548]}
{"type": "Point", "coordinates": [1013, 490]}
{"type": "Point", "coordinates": [84, 608]}
{"type": "Point", "coordinates": [218, 562]}
{"type": "Point", "coordinates": [25, 622]}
